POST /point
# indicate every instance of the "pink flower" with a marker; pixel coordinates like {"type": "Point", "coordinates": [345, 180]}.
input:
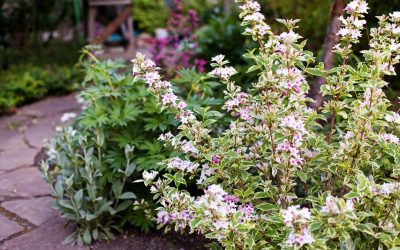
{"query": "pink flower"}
{"type": "Point", "coordinates": [215, 159]}
{"type": "Point", "coordinates": [183, 165]}
{"type": "Point", "coordinates": [302, 238]}
{"type": "Point", "coordinates": [330, 206]}
{"type": "Point", "coordinates": [390, 138]}
{"type": "Point", "coordinates": [255, 17]}
{"type": "Point", "coordinates": [294, 123]}
{"type": "Point", "coordinates": [169, 98]}
{"type": "Point", "coordinates": [181, 105]}
{"type": "Point", "coordinates": [294, 213]}
{"type": "Point", "coordinates": [188, 147]}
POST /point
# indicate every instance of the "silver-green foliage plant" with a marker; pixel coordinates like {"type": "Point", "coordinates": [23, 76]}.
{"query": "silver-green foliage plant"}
{"type": "Point", "coordinates": [93, 163]}
{"type": "Point", "coordinates": [283, 175]}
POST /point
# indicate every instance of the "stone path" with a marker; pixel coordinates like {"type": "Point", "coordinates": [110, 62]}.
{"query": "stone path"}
{"type": "Point", "coordinates": [25, 203]}
{"type": "Point", "coordinates": [27, 219]}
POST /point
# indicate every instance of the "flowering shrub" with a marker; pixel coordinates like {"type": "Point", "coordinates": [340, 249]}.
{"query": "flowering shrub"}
{"type": "Point", "coordinates": [178, 49]}
{"type": "Point", "coordinates": [93, 163]}
{"type": "Point", "coordinates": [282, 175]}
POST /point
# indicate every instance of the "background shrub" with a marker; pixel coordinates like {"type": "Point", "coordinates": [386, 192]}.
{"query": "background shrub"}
{"type": "Point", "coordinates": [93, 164]}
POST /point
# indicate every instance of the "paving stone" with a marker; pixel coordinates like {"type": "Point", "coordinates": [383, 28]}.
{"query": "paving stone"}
{"type": "Point", "coordinates": [10, 140]}
{"type": "Point", "coordinates": [48, 236]}
{"type": "Point", "coordinates": [36, 134]}
{"type": "Point", "coordinates": [51, 106]}
{"type": "Point", "coordinates": [15, 158]}
{"type": "Point", "coordinates": [36, 210]}
{"type": "Point", "coordinates": [8, 227]}
{"type": "Point", "coordinates": [24, 182]}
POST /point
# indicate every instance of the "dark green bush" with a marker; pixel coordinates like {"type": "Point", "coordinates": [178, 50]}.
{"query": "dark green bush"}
{"type": "Point", "coordinates": [22, 84]}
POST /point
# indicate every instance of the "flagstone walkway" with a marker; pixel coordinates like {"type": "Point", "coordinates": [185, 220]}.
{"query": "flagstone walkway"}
{"type": "Point", "coordinates": [27, 219]}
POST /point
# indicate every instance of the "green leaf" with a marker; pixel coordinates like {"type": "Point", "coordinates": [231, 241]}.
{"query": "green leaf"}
{"type": "Point", "coordinates": [127, 195]}
{"type": "Point", "coordinates": [267, 207]}
{"type": "Point", "coordinates": [123, 206]}
{"type": "Point", "coordinates": [315, 72]}
{"type": "Point", "coordinates": [250, 241]}
{"type": "Point", "coordinates": [365, 229]}
{"type": "Point", "coordinates": [351, 195]}
{"type": "Point", "coordinates": [78, 196]}
{"type": "Point", "coordinates": [66, 204]}
{"type": "Point", "coordinates": [315, 226]}
{"type": "Point", "coordinates": [195, 222]}
{"type": "Point", "coordinates": [302, 176]}
{"type": "Point", "coordinates": [129, 169]}
{"type": "Point", "coordinates": [59, 190]}
{"type": "Point", "coordinates": [87, 237]}
{"type": "Point", "coordinates": [260, 195]}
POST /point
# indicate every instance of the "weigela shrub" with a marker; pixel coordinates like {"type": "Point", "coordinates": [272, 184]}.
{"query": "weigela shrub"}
{"type": "Point", "coordinates": [93, 163]}
{"type": "Point", "coordinates": [283, 175]}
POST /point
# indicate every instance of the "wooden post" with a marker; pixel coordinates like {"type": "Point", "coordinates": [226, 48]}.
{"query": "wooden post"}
{"type": "Point", "coordinates": [111, 27]}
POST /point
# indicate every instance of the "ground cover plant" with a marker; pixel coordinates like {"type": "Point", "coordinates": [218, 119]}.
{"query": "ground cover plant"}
{"type": "Point", "coordinates": [282, 175]}
{"type": "Point", "coordinates": [30, 73]}
{"type": "Point", "coordinates": [93, 162]}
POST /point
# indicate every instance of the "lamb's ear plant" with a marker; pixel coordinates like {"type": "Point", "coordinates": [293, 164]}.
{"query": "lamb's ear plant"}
{"type": "Point", "coordinates": [93, 164]}
{"type": "Point", "coordinates": [283, 175]}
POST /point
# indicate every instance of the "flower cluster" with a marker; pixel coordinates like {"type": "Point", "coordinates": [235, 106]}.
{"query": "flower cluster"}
{"type": "Point", "coordinates": [148, 70]}
{"type": "Point", "coordinates": [179, 164]}
{"type": "Point", "coordinates": [221, 71]}
{"type": "Point", "coordinates": [296, 219]}
{"type": "Point", "coordinates": [219, 207]}
{"type": "Point", "coordinates": [352, 26]}
{"type": "Point", "coordinates": [332, 206]}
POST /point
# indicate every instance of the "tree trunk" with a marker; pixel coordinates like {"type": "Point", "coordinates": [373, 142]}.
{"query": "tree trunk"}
{"type": "Point", "coordinates": [331, 39]}
{"type": "Point", "coordinates": [227, 7]}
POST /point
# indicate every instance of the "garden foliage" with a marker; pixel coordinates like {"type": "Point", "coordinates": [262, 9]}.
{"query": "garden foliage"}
{"type": "Point", "coordinates": [21, 84]}
{"type": "Point", "coordinates": [150, 14]}
{"type": "Point", "coordinates": [93, 163]}
{"type": "Point", "coordinates": [282, 175]}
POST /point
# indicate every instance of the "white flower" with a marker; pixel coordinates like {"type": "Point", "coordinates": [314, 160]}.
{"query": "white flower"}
{"type": "Point", "coordinates": [390, 138]}
{"type": "Point", "coordinates": [395, 16]}
{"type": "Point", "coordinates": [183, 165]}
{"type": "Point", "coordinates": [169, 98]}
{"type": "Point", "coordinates": [152, 77]}
{"type": "Point", "coordinates": [302, 238]}
{"type": "Point", "coordinates": [250, 6]}
{"type": "Point", "coordinates": [349, 205]}
{"type": "Point", "coordinates": [343, 32]}
{"type": "Point", "coordinates": [223, 72]}
{"type": "Point", "coordinates": [255, 17]}
{"type": "Point", "coordinates": [330, 206]}
{"type": "Point", "coordinates": [218, 59]}
{"type": "Point", "coordinates": [149, 176]}
{"type": "Point", "coordinates": [262, 29]}
{"type": "Point", "coordinates": [294, 213]}
{"type": "Point", "coordinates": [216, 190]}
{"type": "Point", "coordinates": [294, 123]}
{"type": "Point", "coordinates": [188, 147]}
{"type": "Point", "coordinates": [289, 37]}
{"type": "Point", "coordinates": [390, 187]}
{"type": "Point", "coordinates": [393, 117]}
{"type": "Point", "coordinates": [358, 6]}
{"type": "Point", "coordinates": [359, 23]}
{"type": "Point", "coordinates": [67, 116]}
